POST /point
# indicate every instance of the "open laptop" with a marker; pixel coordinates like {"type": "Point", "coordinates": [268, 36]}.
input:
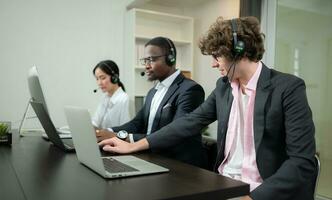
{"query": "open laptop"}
{"type": "Point", "coordinates": [88, 153]}
{"type": "Point", "coordinates": [65, 144]}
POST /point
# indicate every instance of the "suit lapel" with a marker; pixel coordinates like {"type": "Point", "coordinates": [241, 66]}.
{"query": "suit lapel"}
{"type": "Point", "coordinates": [223, 117]}
{"type": "Point", "coordinates": [262, 93]}
{"type": "Point", "coordinates": [171, 90]}
{"type": "Point", "coordinates": [148, 101]}
{"type": "Point", "coordinates": [225, 108]}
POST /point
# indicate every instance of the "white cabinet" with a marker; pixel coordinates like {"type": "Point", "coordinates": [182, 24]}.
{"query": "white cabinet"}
{"type": "Point", "coordinates": [143, 25]}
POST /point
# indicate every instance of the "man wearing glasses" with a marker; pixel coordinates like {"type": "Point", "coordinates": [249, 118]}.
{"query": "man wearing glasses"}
{"type": "Point", "coordinates": [172, 97]}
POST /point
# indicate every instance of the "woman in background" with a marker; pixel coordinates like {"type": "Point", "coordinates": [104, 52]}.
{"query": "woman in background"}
{"type": "Point", "coordinates": [114, 108]}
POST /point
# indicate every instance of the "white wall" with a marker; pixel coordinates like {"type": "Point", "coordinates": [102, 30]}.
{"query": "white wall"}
{"type": "Point", "coordinates": [65, 39]}
{"type": "Point", "coordinates": [204, 15]}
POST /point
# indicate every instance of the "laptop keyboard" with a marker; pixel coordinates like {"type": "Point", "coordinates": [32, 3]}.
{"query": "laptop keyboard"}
{"type": "Point", "coordinates": [113, 166]}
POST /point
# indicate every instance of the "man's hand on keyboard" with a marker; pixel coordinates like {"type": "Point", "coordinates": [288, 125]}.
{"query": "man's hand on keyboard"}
{"type": "Point", "coordinates": [116, 145]}
{"type": "Point", "coordinates": [103, 134]}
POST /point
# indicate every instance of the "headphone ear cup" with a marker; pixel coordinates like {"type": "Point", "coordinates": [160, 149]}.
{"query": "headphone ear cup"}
{"type": "Point", "coordinates": [171, 57]}
{"type": "Point", "coordinates": [170, 60]}
{"type": "Point", "coordinates": [115, 79]}
{"type": "Point", "coordinates": [239, 47]}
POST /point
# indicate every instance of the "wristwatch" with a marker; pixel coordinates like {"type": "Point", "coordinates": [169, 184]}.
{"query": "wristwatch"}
{"type": "Point", "coordinates": [122, 135]}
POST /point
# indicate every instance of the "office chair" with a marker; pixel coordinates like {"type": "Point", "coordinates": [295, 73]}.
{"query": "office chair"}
{"type": "Point", "coordinates": [317, 175]}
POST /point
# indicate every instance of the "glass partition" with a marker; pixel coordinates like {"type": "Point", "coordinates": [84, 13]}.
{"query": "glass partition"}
{"type": "Point", "coordinates": [303, 47]}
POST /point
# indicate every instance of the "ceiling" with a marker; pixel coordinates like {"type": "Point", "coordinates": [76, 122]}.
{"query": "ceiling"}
{"type": "Point", "coordinates": [169, 3]}
{"type": "Point", "coordinates": [177, 3]}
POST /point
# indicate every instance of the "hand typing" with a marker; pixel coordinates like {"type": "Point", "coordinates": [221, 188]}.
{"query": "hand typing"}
{"type": "Point", "coordinates": [103, 134]}
{"type": "Point", "coordinates": [115, 145]}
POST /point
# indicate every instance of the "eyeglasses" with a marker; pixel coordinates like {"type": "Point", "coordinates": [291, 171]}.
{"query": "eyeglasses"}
{"type": "Point", "coordinates": [150, 59]}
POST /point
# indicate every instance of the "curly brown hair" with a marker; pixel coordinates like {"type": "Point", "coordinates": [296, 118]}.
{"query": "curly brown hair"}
{"type": "Point", "coordinates": [218, 41]}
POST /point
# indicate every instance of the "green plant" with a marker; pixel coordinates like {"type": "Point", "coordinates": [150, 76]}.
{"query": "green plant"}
{"type": "Point", "coordinates": [3, 129]}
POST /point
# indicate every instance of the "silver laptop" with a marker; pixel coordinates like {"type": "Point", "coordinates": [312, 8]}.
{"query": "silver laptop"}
{"type": "Point", "coordinates": [88, 153]}
{"type": "Point", "coordinates": [65, 144]}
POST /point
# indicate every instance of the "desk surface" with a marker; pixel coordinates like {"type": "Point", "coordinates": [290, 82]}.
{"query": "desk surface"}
{"type": "Point", "coordinates": [35, 169]}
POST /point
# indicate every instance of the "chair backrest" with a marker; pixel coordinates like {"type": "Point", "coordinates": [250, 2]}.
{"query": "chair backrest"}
{"type": "Point", "coordinates": [317, 175]}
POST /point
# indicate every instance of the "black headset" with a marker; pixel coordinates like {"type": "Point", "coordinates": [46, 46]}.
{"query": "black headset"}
{"type": "Point", "coordinates": [171, 57]}
{"type": "Point", "coordinates": [238, 45]}
{"type": "Point", "coordinates": [114, 76]}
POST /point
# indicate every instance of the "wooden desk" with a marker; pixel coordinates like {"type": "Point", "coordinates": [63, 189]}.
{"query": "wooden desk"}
{"type": "Point", "coordinates": [35, 169]}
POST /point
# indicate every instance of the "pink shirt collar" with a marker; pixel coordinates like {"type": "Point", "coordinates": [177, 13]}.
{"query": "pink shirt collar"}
{"type": "Point", "coordinates": [252, 83]}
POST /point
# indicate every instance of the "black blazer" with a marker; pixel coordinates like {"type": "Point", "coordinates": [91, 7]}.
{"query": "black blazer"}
{"type": "Point", "coordinates": [182, 97]}
{"type": "Point", "coordinates": [283, 133]}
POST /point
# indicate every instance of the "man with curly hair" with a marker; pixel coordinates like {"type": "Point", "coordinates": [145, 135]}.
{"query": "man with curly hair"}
{"type": "Point", "coordinates": [265, 127]}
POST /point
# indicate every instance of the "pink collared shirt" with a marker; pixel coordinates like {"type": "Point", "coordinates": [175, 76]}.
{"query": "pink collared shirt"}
{"type": "Point", "coordinates": [240, 155]}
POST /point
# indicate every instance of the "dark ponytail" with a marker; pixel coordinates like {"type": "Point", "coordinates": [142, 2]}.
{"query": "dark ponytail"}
{"type": "Point", "coordinates": [122, 86]}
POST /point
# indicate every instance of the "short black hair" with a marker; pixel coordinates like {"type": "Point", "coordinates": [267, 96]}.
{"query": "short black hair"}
{"type": "Point", "coordinates": [164, 43]}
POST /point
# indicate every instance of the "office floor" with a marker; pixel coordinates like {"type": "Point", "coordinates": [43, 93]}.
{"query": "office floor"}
{"type": "Point", "coordinates": [324, 185]}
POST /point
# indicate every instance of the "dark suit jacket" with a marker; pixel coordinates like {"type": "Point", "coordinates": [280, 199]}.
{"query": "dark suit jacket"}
{"type": "Point", "coordinates": [182, 97]}
{"type": "Point", "coordinates": [283, 133]}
